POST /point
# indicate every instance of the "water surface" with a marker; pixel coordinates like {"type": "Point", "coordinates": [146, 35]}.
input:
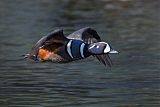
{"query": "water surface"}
{"type": "Point", "coordinates": [132, 27]}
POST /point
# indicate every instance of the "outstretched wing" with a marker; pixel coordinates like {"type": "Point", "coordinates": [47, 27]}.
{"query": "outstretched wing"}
{"type": "Point", "coordinates": [50, 42]}
{"type": "Point", "coordinates": [87, 34]}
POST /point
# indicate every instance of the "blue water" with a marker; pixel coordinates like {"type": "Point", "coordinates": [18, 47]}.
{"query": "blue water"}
{"type": "Point", "coordinates": [132, 27]}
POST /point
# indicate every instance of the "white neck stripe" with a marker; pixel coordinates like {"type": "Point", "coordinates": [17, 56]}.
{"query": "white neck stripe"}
{"type": "Point", "coordinates": [82, 50]}
{"type": "Point", "coordinates": [69, 48]}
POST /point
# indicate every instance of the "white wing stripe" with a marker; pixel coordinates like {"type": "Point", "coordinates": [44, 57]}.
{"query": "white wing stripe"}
{"type": "Point", "coordinates": [69, 48]}
{"type": "Point", "coordinates": [82, 50]}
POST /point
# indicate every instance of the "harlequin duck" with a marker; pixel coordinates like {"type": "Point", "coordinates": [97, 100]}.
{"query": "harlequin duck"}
{"type": "Point", "coordinates": [78, 45]}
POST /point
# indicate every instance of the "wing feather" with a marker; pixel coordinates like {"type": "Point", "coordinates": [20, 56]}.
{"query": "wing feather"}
{"type": "Point", "coordinates": [54, 39]}
{"type": "Point", "coordinates": [87, 34]}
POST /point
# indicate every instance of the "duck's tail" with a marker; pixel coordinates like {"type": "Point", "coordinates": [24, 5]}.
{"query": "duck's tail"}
{"type": "Point", "coordinates": [29, 56]}
{"type": "Point", "coordinates": [101, 50]}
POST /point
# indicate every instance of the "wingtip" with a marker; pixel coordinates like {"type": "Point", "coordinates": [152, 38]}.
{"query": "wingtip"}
{"type": "Point", "coordinates": [105, 60]}
{"type": "Point", "coordinates": [59, 30]}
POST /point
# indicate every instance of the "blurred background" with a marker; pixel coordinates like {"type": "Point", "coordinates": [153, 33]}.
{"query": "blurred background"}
{"type": "Point", "coordinates": [131, 26]}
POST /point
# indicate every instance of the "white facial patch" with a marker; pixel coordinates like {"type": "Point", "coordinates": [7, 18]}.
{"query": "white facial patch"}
{"type": "Point", "coordinates": [97, 46]}
{"type": "Point", "coordinates": [69, 48]}
{"type": "Point", "coordinates": [107, 47]}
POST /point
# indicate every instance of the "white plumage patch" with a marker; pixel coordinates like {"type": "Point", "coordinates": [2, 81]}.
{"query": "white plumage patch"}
{"type": "Point", "coordinates": [92, 46]}
{"type": "Point", "coordinates": [107, 47]}
{"type": "Point", "coordinates": [82, 50]}
{"type": "Point", "coordinates": [69, 48]}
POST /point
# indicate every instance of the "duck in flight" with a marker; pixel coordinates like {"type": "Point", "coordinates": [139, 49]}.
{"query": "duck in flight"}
{"type": "Point", "coordinates": [78, 45]}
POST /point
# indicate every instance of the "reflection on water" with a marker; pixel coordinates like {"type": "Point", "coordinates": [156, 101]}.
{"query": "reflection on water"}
{"type": "Point", "coordinates": [132, 27]}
